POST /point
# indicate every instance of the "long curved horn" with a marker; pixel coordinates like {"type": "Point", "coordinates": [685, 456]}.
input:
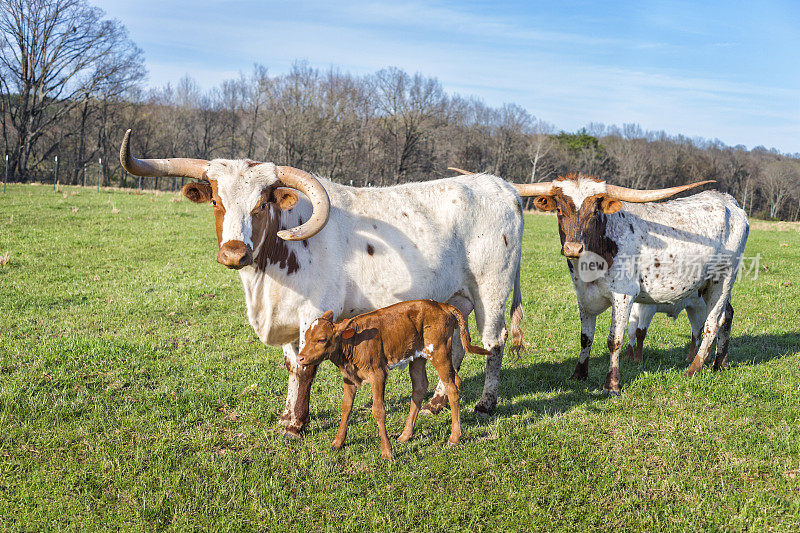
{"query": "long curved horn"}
{"type": "Point", "coordinates": [456, 169]}
{"type": "Point", "coordinates": [311, 187]}
{"type": "Point", "coordinates": [651, 195]}
{"type": "Point", "coordinates": [176, 167]}
{"type": "Point", "coordinates": [524, 189]}
{"type": "Point", "coordinates": [534, 189]}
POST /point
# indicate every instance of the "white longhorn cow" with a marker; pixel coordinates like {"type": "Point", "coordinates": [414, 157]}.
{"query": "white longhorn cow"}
{"type": "Point", "coordinates": [353, 250]}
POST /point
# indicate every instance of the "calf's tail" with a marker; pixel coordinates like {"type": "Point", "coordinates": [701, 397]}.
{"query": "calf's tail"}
{"type": "Point", "coordinates": [465, 340]}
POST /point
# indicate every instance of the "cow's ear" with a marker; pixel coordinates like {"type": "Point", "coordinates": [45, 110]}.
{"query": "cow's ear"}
{"type": "Point", "coordinates": [610, 205]}
{"type": "Point", "coordinates": [284, 198]}
{"type": "Point", "coordinates": [328, 315]}
{"type": "Point", "coordinates": [545, 203]}
{"type": "Point", "coordinates": [197, 192]}
{"type": "Point", "coordinates": [348, 333]}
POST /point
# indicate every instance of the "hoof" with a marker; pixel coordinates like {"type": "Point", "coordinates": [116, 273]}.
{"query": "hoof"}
{"type": "Point", "coordinates": [629, 353]}
{"type": "Point", "coordinates": [578, 377]}
{"type": "Point", "coordinates": [404, 438]}
{"type": "Point", "coordinates": [435, 406]}
{"type": "Point", "coordinates": [450, 444]}
{"type": "Point", "coordinates": [611, 392]}
{"type": "Point", "coordinates": [484, 411]}
{"type": "Point", "coordinates": [291, 435]}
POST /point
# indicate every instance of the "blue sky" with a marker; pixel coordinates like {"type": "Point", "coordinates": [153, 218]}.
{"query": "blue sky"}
{"type": "Point", "coordinates": [727, 70]}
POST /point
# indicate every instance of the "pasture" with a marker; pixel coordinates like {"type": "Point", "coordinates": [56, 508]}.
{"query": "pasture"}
{"type": "Point", "coordinates": [134, 394]}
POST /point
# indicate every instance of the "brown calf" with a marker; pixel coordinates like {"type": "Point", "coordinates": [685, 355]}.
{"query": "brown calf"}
{"type": "Point", "coordinates": [366, 347]}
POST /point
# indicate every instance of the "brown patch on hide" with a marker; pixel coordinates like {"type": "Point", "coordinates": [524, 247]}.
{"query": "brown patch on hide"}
{"type": "Point", "coordinates": [370, 249]}
{"type": "Point", "coordinates": [585, 225]}
{"type": "Point", "coordinates": [274, 250]}
{"type": "Point", "coordinates": [505, 241]}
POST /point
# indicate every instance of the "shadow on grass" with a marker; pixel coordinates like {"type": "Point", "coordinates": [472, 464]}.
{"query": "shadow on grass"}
{"type": "Point", "coordinates": [538, 378]}
{"type": "Point", "coordinates": [520, 381]}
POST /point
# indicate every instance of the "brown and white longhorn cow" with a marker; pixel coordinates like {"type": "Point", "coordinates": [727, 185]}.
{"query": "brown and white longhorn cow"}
{"type": "Point", "coordinates": [619, 253]}
{"type": "Point", "coordinates": [353, 250]}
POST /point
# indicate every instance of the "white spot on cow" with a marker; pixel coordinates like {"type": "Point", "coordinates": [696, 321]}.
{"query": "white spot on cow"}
{"type": "Point", "coordinates": [239, 186]}
{"type": "Point", "coordinates": [580, 189]}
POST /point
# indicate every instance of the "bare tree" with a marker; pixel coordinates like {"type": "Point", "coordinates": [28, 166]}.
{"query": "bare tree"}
{"type": "Point", "coordinates": [54, 54]}
{"type": "Point", "coordinates": [780, 181]}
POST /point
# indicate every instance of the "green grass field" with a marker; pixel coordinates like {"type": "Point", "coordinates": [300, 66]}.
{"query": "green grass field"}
{"type": "Point", "coordinates": [134, 394]}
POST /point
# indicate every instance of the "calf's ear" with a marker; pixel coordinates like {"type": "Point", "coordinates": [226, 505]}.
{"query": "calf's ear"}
{"type": "Point", "coordinates": [610, 205]}
{"type": "Point", "coordinates": [197, 192]}
{"type": "Point", "coordinates": [545, 203]}
{"type": "Point", "coordinates": [284, 198]}
{"type": "Point", "coordinates": [328, 315]}
{"type": "Point", "coordinates": [348, 333]}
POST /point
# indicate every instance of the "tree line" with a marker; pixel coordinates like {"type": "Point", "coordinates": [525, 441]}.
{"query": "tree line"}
{"type": "Point", "coordinates": [72, 82]}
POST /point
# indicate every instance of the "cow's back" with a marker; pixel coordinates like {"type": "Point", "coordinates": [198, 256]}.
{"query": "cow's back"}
{"type": "Point", "coordinates": [677, 244]}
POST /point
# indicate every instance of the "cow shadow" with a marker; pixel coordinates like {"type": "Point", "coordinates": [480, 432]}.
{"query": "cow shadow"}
{"type": "Point", "coordinates": [552, 391]}
{"type": "Point", "coordinates": [519, 380]}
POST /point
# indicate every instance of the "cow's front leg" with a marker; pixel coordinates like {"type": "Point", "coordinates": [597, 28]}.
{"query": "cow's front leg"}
{"type": "Point", "coordinates": [620, 309]}
{"type": "Point", "coordinates": [588, 323]}
{"type": "Point", "coordinates": [295, 415]}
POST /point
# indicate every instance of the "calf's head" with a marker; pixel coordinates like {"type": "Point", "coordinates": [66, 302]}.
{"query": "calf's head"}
{"type": "Point", "coordinates": [323, 338]}
{"type": "Point", "coordinates": [246, 198]}
{"type": "Point", "coordinates": [583, 204]}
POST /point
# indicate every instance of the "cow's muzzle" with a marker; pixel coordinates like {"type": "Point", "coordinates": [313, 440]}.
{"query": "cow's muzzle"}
{"type": "Point", "coordinates": [572, 250]}
{"type": "Point", "coordinates": [235, 254]}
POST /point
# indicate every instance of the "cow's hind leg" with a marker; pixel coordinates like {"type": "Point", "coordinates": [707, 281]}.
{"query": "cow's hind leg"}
{"type": "Point", "coordinates": [697, 315]}
{"type": "Point", "coordinates": [588, 323]}
{"type": "Point", "coordinates": [439, 400]}
{"type": "Point", "coordinates": [419, 386]}
{"type": "Point", "coordinates": [716, 299]}
{"type": "Point", "coordinates": [633, 323]}
{"type": "Point", "coordinates": [295, 414]}
{"type": "Point", "coordinates": [646, 315]}
{"type": "Point", "coordinates": [723, 338]}
{"type": "Point", "coordinates": [493, 333]}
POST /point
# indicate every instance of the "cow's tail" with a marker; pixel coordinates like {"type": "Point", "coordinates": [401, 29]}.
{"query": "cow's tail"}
{"type": "Point", "coordinates": [517, 314]}
{"type": "Point", "coordinates": [465, 340]}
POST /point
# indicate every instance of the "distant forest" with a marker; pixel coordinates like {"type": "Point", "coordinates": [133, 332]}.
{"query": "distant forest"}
{"type": "Point", "coordinates": [72, 82]}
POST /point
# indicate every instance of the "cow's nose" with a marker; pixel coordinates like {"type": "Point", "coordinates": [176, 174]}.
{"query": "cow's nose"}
{"type": "Point", "coordinates": [572, 250]}
{"type": "Point", "coordinates": [235, 254]}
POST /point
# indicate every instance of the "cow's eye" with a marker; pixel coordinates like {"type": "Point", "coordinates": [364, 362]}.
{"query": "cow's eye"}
{"type": "Point", "coordinates": [214, 203]}
{"type": "Point", "coordinates": [558, 210]}
{"type": "Point", "coordinates": [263, 206]}
{"type": "Point", "coordinates": [321, 340]}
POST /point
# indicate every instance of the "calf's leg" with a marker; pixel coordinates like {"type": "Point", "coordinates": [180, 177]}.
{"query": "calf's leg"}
{"type": "Point", "coordinates": [419, 386]}
{"type": "Point", "coordinates": [439, 400]}
{"type": "Point", "coordinates": [448, 376]}
{"type": "Point", "coordinates": [716, 300]}
{"type": "Point", "coordinates": [379, 414]}
{"type": "Point", "coordinates": [347, 406]}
